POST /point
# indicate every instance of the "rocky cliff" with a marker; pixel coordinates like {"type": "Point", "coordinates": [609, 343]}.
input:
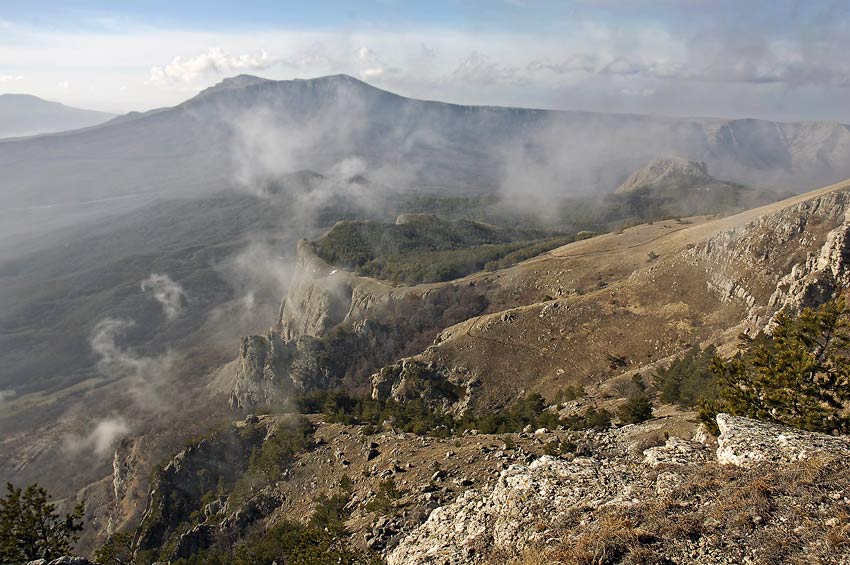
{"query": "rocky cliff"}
{"type": "Point", "coordinates": [336, 328]}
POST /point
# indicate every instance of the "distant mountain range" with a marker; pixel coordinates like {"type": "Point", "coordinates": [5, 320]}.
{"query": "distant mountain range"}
{"type": "Point", "coordinates": [248, 130]}
{"type": "Point", "coordinates": [24, 115]}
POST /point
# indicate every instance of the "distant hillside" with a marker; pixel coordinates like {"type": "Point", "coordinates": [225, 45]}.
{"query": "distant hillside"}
{"type": "Point", "coordinates": [249, 130]}
{"type": "Point", "coordinates": [24, 114]}
{"type": "Point", "coordinates": [673, 186]}
{"type": "Point", "coordinates": [671, 173]}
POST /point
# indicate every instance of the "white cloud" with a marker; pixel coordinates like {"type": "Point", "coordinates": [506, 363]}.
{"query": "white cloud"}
{"type": "Point", "coordinates": [582, 62]}
{"type": "Point", "coordinates": [167, 292]}
{"type": "Point", "coordinates": [214, 62]}
{"type": "Point", "coordinates": [10, 78]}
{"type": "Point", "coordinates": [101, 438]}
{"type": "Point", "coordinates": [143, 375]}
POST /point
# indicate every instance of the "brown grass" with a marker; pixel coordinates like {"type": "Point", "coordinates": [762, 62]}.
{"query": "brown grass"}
{"type": "Point", "coordinates": [770, 514]}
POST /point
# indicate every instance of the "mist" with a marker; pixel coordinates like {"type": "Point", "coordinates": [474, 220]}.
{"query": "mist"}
{"type": "Point", "coordinates": [100, 441]}
{"type": "Point", "coordinates": [143, 376]}
{"type": "Point", "coordinates": [167, 292]}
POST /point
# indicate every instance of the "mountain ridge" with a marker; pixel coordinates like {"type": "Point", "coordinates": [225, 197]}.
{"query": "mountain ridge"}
{"type": "Point", "coordinates": [23, 115]}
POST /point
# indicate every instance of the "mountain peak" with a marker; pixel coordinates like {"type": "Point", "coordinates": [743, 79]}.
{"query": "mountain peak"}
{"type": "Point", "coordinates": [667, 171]}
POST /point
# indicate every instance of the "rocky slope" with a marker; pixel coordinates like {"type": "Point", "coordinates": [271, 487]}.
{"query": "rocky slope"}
{"type": "Point", "coordinates": [668, 173]}
{"type": "Point", "coordinates": [565, 317]}
{"type": "Point", "coordinates": [590, 314]}
{"type": "Point", "coordinates": [534, 506]}
{"type": "Point", "coordinates": [661, 491]}
{"type": "Point", "coordinates": [575, 316]}
{"type": "Point", "coordinates": [585, 310]}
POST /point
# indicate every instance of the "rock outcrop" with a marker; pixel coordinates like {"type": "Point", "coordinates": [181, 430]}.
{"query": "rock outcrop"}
{"type": "Point", "coordinates": [794, 257]}
{"type": "Point", "coordinates": [271, 367]}
{"type": "Point", "coordinates": [529, 504]}
{"type": "Point", "coordinates": [178, 488]}
{"type": "Point", "coordinates": [819, 277]}
{"type": "Point", "coordinates": [668, 172]}
{"type": "Point", "coordinates": [744, 442]}
{"type": "Point", "coordinates": [319, 296]}
{"type": "Point", "coordinates": [410, 379]}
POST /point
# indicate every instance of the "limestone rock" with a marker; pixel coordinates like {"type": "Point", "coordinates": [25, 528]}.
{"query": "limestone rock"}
{"type": "Point", "coordinates": [318, 298]}
{"type": "Point", "coordinates": [676, 451]}
{"type": "Point", "coordinates": [526, 501]}
{"type": "Point", "coordinates": [668, 172]}
{"type": "Point", "coordinates": [450, 392]}
{"type": "Point", "coordinates": [744, 441]}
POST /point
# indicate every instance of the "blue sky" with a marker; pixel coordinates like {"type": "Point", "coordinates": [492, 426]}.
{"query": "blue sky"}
{"type": "Point", "coordinates": [772, 59]}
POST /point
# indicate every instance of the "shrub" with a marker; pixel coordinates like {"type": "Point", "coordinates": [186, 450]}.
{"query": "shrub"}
{"type": "Point", "coordinates": [384, 500]}
{"type": "Point", "coordinates": [688, 378]}
{"type": "Point", "coordinates": [636, 409]}
{"type": "Point", "coordinates": [798, 376]}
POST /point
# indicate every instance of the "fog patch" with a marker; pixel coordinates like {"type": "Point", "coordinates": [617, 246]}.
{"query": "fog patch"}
{"type": "Point", "coordinates": [100, 439]}
{"type": "Point", "coordinates": [143, 375]}
{"type": "Point", "coordinates": [167, 292]}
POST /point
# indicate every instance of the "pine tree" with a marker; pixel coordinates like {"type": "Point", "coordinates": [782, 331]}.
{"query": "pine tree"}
{"type": "Point", "coordinates": [798, 376]}
{"type": "Point", "coordinates": [30, 527]}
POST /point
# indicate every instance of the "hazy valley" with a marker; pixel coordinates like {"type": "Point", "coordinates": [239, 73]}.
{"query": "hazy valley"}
{"type": "Point", "coordinates": [316, 316]}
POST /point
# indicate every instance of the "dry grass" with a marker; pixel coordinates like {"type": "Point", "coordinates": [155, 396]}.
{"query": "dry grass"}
{"type": "Point", "coordinates": [793, 514]}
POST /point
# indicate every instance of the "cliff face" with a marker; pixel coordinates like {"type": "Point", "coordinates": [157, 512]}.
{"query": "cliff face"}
{"type": "Point", "coordinates": [795, 257]}
{"type": "Point", "coordinates": [335, 329]}
{"type": "Point", "coordinates": [319, 297]}
{"type": "Point", "coordinates": [271, 367]}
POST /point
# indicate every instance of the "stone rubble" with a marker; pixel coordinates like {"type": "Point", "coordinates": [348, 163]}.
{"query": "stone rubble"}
{"type": "Point", "coordinates": [528, 502]}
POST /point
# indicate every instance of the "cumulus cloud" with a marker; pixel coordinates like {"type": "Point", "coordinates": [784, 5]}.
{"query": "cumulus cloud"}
{"type": "Point", "coordinates": [100, 439]}
{"type": "Point", "coordinates": [784, 59]}
{"type": "Point", "coordinates": [214, 62]}
{"type": "Point", "coordinates": [167, 292]}
{"type": "Point", "coordinates": [144, 375]}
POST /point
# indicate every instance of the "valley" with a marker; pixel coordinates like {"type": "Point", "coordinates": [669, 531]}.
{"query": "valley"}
{"type": "Point", "coordinates": [372, 345]}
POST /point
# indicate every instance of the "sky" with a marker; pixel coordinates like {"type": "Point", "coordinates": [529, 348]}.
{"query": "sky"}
{"type": "Point", "coordinates": [771, 59]}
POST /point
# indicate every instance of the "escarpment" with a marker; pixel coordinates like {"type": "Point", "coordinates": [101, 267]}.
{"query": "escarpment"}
{"type": "Point", "coordinates": [336, 328]}
{"type": "Point", "coordinates": [579, 315]}
{"type": "Point", "coordinates": [624, 301]}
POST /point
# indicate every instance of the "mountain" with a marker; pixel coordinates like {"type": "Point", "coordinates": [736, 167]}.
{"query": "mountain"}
{"type": "Point", "coordinates": [229, 328]}
{"type": "Point", "coordinates": [24, 114]}
{"type": "Point", "coordinates": [433, 456]}
{"type": "Point", "coordinates": [247, 130]}
{"type": "Point", "coordinates": [668, 173]}
{"type": "Point", "coordinates": [674, 186]}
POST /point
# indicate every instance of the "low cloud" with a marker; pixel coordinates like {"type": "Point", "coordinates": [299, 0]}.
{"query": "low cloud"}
{"type": "Point", "coordinates": [10, 78]}
{"type": "Point", "coordinates": [100, 439]}
{"type": "Point", "coordinates": [214, 62]}
{"type": "Point", "coordinates": [144, 376]}
{"type": "Point", "coordinates": [167, 292]}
